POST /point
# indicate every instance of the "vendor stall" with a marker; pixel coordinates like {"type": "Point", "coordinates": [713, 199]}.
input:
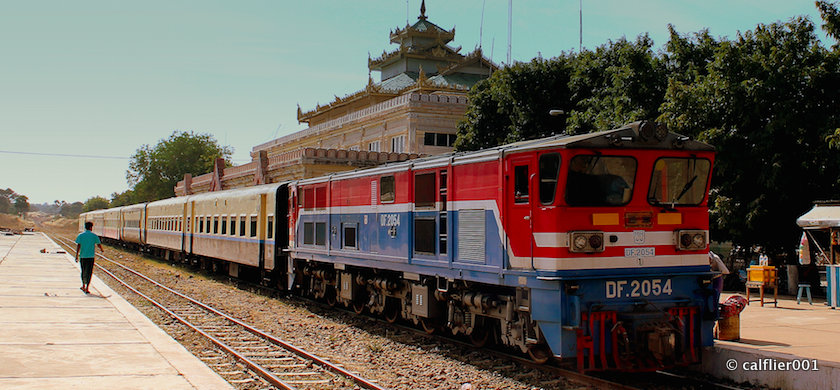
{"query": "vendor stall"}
{"type": "Point", "coordinates": [825, 217]}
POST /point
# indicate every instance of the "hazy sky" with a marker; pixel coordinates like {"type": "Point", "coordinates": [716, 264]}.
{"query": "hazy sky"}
{"type": "Point", "coordinates": [101, 78]}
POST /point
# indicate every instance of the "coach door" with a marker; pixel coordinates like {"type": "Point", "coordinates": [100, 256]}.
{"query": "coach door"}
{"type": "Point", "coordinates": [519, 195]}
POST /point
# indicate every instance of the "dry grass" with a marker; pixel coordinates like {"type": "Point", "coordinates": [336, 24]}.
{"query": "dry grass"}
{"type": "Point", "coordinates": [14, 222]}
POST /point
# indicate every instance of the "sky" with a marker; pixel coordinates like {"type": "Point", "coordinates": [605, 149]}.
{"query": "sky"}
{"type": "Point", "coordinates": [84, 84]}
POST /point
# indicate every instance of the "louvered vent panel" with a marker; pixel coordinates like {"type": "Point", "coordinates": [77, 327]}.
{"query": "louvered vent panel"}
{"type": "Point", "coordinates": [471, 235]}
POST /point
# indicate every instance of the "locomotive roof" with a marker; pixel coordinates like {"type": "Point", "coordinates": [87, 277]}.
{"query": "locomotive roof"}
{"type": "Point", "coordinates": [626, 137]}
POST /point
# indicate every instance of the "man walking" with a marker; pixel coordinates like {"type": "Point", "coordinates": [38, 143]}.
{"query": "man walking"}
{"type": "Point", "coordinates": [86, 243]}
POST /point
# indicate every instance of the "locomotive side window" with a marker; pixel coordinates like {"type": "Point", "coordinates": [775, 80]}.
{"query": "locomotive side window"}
{"type": "Point", "coordinates": [678, 181]}
{"type": "Point", "coordinates": [549, 171]}
{"type": "Point", "coordinates": [424, 190]}
{"type": "Point", "coordinates": [308, 233]}
{"type": "Point", "coordinates": [320, 233]}
{"type": "Point", "coordinates": [424, 235]}
{"type": "Point", "coordinates": [386, 189]}
{"type": "Point", "coordinates": [520, 184]}
{"type": "Point", "coordinates": [349, 234]}
{"type": "Point", "coordinates": [596, 180]}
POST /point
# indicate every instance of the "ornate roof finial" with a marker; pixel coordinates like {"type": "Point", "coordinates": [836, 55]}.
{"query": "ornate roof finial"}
{"type": "Point", "coordinates": [422, 10]}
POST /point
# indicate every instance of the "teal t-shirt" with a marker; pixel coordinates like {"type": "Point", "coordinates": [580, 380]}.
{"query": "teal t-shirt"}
{"type": "Point", "coordinates": [88, 241]}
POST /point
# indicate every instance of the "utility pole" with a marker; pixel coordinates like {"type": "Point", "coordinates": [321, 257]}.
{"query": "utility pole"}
{"type": "Point", "coordinates": [510, 28]}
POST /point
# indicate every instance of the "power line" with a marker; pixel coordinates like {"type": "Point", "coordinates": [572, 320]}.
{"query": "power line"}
{"type": "Point", "coordinates": [64, 155]}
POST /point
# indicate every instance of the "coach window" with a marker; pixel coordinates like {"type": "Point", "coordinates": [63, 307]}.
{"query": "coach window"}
{"type": "Point", "coordinates": [424, 190]}
{"type": "Point", "coordinates": [386, 189]}
{"type": "Point", "coordinates": [253, 226]}
{"type": "Point", "coordinates": [549, 170]}
{"type": "Point", "coordinates": [242, 226]}
{"type": "Point", "coordinates": [215, 225]}
{"type": "Point", "coordinates": [520, 184]}
{"type": "Point", "coordinates": [596, 180]}
{"type": "Point", "coordinates": [269, 228]}
{"type": "Point", "coordinates": [232, 225]}
{"type": "Point", "coordinates": [224, 225]}
{"type": "Point", "coordinates": [349, 234]}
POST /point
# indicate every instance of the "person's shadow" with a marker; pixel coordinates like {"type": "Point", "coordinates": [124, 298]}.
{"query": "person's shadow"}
{"type": "Point", "coordinates": [95, 295]}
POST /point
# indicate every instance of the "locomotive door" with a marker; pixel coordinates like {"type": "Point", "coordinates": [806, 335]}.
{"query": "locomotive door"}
{"type": "Point", "coordinates": [518, 198]}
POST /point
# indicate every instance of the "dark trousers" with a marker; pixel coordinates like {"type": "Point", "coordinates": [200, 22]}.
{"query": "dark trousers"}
{"type": "Point", "coordinates": [87, 270]}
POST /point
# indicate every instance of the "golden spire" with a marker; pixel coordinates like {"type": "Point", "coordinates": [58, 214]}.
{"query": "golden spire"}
{"type": "Point", "coordinates": [422, 10]}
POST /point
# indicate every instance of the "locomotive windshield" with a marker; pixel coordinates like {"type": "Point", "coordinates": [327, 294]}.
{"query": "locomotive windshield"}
{"type": "Point", "coordinates": [596, 180]}
{"type": "Point", "coordinates": [678, 181]}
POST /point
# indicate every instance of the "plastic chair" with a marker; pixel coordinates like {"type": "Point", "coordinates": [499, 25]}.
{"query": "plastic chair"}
{"type": "Point", "coordinates": [807, 288]}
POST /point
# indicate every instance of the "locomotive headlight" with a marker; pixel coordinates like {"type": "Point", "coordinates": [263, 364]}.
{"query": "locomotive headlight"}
{"type": "Point", "coordinates": [587, 242]}
{"type": "Point", "coordinates": [595, 241]}
{"type": "Point", "coordinates": [580, 242]}
{"type": "Point", "coordinates": [691, 240]}
{"type": "Point", "coordinates": [699, 240]}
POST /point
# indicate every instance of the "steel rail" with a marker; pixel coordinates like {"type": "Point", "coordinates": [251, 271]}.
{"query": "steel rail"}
{"type": "Point", "coordinates": [299, 351]}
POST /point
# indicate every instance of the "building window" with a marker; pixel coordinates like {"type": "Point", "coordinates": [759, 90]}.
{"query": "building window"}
{"type": "Point", "coordinates": [355, 147]}
{"type": "Point", "coordinates": [439, 139]}
{"type": "Point", "coordinates": [386, 189]}
{"type": "Point", "coordinates": [398, 144]}
{"type": "Point", "coordinates": [373, 146]}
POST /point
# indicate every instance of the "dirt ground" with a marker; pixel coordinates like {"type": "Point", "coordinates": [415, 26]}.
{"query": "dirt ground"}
{"type": "Point", "coordinates": [13, 222]}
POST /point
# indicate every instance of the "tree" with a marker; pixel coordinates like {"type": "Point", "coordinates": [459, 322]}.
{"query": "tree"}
{"type": "Point", "coordinates": [70, 210]}
{"type": "Point", "coordinates": [21, 204]}
{"type": "Point", "coordinates": [767, 101]}
{"type": "Point", "coordinates": [619, 82]}
{"type": "Point", "coordinates": [513, 104]}
{"type": "Point", "coordinates": [123, 198]}
{"type": "Point", "coordinates": [95, 203]}
{"type": "Point", "coordinates": [154, 171]}
{"type": "Point", "coordinates": [831, 20]}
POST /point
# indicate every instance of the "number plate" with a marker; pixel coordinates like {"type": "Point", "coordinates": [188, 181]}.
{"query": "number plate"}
{"type": "Point", "coordinates": [616, 289]}
{"type": "Point", "coordinates": [639, 252]}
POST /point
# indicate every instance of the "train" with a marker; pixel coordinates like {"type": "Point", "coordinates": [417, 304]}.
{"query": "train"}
{"type": "Point", "coordinates": [588, 248]}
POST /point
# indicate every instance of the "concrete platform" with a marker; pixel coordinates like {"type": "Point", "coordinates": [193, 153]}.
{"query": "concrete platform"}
{"type": "Point", "coordinates": [792, 346]}
{"type": "Point", "coordinates": [52, 335]}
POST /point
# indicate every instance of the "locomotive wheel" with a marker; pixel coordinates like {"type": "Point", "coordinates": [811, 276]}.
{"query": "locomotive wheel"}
{"type": "Point", "coordinates": [330, 297]}
{"type": "Point", "coordinates": [479, 336]}
{"type": "Point", "coordinates": [392, 312]}
{"type": "Point", "coordinates": [358, 307]}
{"type": "Point", "coordinates": [540, 353]}
{"type": "Point", "coordinates": [428, 325]}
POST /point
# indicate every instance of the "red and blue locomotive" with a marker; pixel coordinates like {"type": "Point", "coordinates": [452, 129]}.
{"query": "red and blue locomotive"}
{"type": "Point", "coordinates": [591, 246]}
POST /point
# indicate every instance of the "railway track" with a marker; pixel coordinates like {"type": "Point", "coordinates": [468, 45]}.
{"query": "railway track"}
{"type": "Point", "coordinates": [260, 358]}
{"type": "Point", "coordinates": [618, 381]}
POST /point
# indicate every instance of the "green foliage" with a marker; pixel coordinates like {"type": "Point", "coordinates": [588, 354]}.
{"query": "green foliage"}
{"type": "Point", "coordinates": [763, 100]}
{"type": "Point", "coordinates": [513, 104]}
{"type": "Point", "coordinates": [619, 82]}
{"type": "Point", "coordinates": [95, 203]}
{"type": "Point", "coordinates": [125, 198]}
{"type": "Point", "coordinates": [12, 202]}
{"type": "Point", "coordinates": [70, 210]}
{"type": "Point", "coordinates": [831, 20]}
{"type": "Point", "coordinates": [154, 171]}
